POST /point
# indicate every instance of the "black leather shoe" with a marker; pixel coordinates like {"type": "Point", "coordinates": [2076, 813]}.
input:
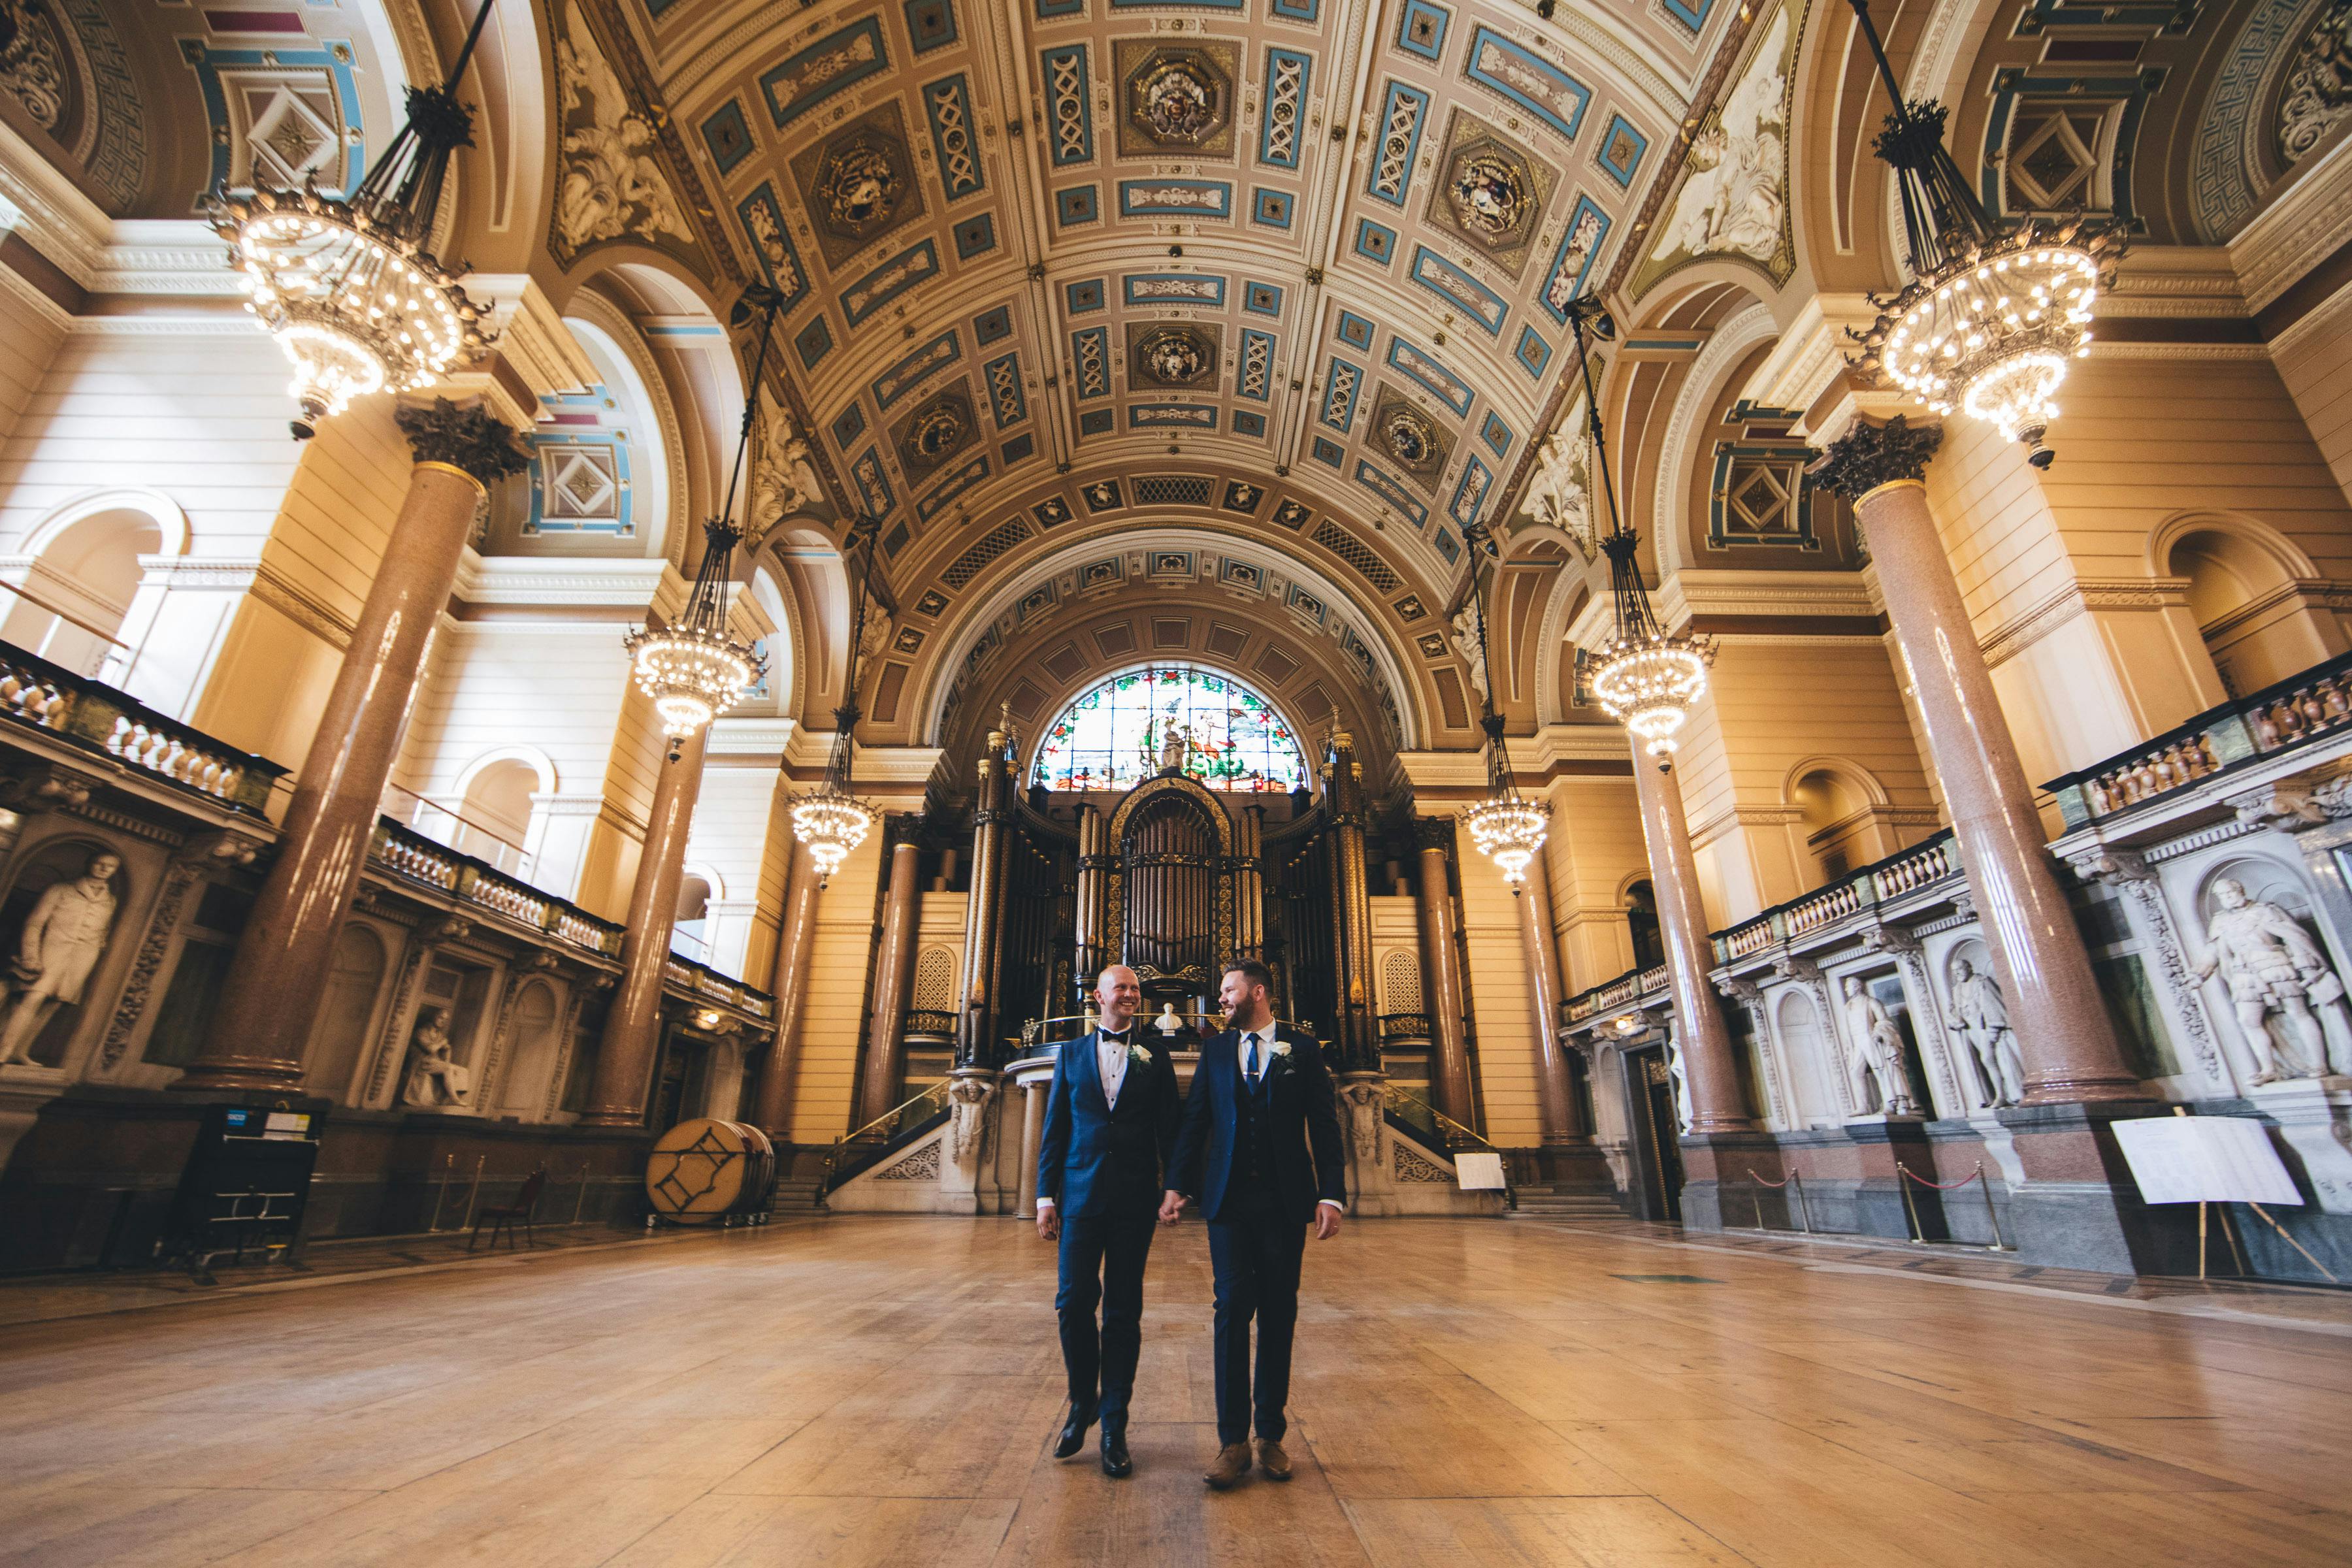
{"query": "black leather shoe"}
{"type": "Point", "coordinates": [1074, 1435]}
{"type": "Point", "coordinates": [1115, 1460]}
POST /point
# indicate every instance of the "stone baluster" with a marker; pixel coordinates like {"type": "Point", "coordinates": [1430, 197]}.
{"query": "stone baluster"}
{"type": "Point", "coordinates": [262, 1021]}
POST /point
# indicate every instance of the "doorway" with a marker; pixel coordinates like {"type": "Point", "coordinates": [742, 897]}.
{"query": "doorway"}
{"type": "Point", "coordinates": [1650, 1116]}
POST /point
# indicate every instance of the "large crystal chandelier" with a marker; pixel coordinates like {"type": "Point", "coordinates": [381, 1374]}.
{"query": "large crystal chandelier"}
{"type": "Point", "coordinates": [694, 668]}
{"type": "Point", "coordinates": [1507, 827]}
{"type": "Point", "coordinates": [1645, 681]}
{"type": "Point", "coordinates": [831, 821]}
{"type": "Point", "coordinates": [1993, 312]}
{"type": "Point", "coordinates": [347, 286]}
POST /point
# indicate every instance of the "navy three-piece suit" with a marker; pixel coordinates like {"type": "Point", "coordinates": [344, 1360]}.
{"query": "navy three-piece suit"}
{"type": "Point", "coordinates": [1260, 1159]}
{"type": "Point", "coordinates": [1100, 1166]}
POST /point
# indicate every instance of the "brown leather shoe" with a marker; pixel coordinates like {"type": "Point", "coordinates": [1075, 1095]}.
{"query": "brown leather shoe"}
{"type": "Point", "coordinates": [1232, 1464]}
{"type": "Point", "coordinates": [1272, 1460]}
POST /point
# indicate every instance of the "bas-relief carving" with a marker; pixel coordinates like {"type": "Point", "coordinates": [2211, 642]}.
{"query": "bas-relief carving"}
{"type": "Point", "coordinates": [859, 183]}
{"type": "Point", "coordinates": [612, 186]}
{"type": "Point", "coordinates": [62, 937]}
{"type": "Point", "coordinates": [1176, 100]}
{"type": "Point", "coordinates": [1556, 495]}
{"type": "Point", "coordinates": [1734, 199]}
{"type": "Point", "coordinates": [783, 474]}
{"type": "Point", "coordinates": [2317, 93]}
{"type": "Point", "coordinates": [2151, 918]}
{"type": "Point", "coordinates": [1467, 643]}
{"type": "Point", "coordinates": [1492, 192]}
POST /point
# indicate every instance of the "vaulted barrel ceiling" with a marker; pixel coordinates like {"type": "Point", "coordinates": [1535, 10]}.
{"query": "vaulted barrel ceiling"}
{"type": "Point", "coordinates": [1289, 272]}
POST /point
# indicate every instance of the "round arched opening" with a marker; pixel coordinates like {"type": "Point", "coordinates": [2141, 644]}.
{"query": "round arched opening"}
{"type": "Point", "coordinates": [1140, 722]}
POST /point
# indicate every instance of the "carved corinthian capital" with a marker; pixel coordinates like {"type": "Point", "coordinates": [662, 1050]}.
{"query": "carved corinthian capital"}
{"type": "Point", "coordinates": [466, 439]}
{"type": "Point", "coordinates": [1869, 455]}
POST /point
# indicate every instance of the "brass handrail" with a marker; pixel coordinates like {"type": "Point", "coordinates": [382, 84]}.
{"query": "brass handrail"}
{"type": "Point", "coordinates": [938, 1091]}
{"type": "Point", "coordinates": [1442, 1122]}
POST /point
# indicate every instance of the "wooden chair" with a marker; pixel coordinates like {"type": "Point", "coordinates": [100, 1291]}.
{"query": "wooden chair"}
{"type": "Point", "coordinates": [505, 1215]}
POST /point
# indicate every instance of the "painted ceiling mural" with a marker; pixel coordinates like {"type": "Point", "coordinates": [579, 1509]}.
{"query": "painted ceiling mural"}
{"type": "Point", "coordinates": [1290, 270]}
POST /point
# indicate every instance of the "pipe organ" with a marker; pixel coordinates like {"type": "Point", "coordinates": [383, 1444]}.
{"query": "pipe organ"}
{"type": "Point", "coordinates": [1175, 880]}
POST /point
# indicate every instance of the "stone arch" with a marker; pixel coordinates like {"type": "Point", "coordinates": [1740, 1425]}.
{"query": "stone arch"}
{"type": "Point", "coordinates": [535, 1041]}
{"type": "Point", "coordinates": [347, 1011]}
{"type": "Point", "coordinates": [1845, 817]}
{"type": "Point", "coordinates": [2251, 595]}
{"type": "Point", "coordinates": [93, 577]}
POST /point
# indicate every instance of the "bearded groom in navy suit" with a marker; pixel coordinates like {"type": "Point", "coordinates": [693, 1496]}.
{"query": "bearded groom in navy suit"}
{"type": "Point", "coordinates": [1260, 1149]}
{"type": "Point", "coordinates": [1110, 1127]}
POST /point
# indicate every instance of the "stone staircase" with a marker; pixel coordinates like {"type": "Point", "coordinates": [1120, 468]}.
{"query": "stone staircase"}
{"type": "Point", "coordinates": [1565, 1203]}
{"type": "Point", "coordinates": [796, 1197]}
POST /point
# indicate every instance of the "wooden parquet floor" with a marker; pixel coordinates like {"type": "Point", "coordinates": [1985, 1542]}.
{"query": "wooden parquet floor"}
{"type": "Point", "coordinates": [885, 1391]}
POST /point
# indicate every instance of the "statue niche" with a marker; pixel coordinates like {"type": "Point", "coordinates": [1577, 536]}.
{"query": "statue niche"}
{"type": "Point", "coordinates": [1171, 892]}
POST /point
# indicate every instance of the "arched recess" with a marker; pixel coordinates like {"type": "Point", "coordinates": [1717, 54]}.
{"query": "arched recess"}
{"type": "Point", "coordinates": [347, 1012]}
{"type": "Point", "coordinates": [1639, 901]}
{"type": "Point", "coordinates": [93, 577]}
{"type": "Point", "coordinates": [535, 1039]}
{"type": "Point", "coordinates": [1683, 450]}
{"type": "Point", "coordinates": [622, 355]}
{"type": "Point", "coordinates": [814, 587]}
{"type": "Point", "coordinates": [955, 652]}
{"type": "Point", "coordinates": [1278, 750]}
{"type": "Point", "coordinates": [1845, 818]}
{"type": "Point", "coordinates": [2256, 599]}
{"type": "Point", "coordinates": [499, 795]}
{"type": "Point", "coordinates": [698, 888]}
{"type": "Point", "coordinates": [777, 692]}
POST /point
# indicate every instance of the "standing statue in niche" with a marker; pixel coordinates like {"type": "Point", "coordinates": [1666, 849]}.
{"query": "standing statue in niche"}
{"type": "Point", "coordinates": [60, 944]}
{"type": "Point", "coordinates": [2270, 964]}
{"type": "Point", "coordinates": [1876, 1053]}
{"type": "Point", "coordinates": [434, 1079]}
{"type": "Point", "coordinates": [1980, 1017]}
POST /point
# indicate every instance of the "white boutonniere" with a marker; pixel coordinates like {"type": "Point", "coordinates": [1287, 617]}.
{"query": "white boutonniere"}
{"type": "Point", "coordinates": [1141, 1055]}
{"type": "Point", "coordinates": [1280, 1048]}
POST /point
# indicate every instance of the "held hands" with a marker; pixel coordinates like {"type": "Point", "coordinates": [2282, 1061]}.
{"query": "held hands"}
{"type": "Point", "coordinates": [1326, 1222]}
{"type": "Point", "coordinates": [1171, 1206]}
{"type": "Point", "coordinates": [1049, 1221]}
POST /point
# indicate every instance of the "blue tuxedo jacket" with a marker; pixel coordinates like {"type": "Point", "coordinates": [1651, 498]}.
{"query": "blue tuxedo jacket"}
{"type": "Point", "coordinates": [1092, 1159]}
{"type": "Point", "coordinates": [1294, 1095]}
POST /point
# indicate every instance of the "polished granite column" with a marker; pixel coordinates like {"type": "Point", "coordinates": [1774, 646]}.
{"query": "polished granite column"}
{"type": "Point", "coordinates": [795, 947]}
{"type": "Point", "coordinates": [624, 1061]}
{"type": "Point", "coordinates": [893, 981]}
{"type": "Point", "coordinates": [2038, 957]}
{"type": "Point", "coordinates": [1705, 1043]}
{"type": "Point", "coordinates": [1440, 973]}
{"type": "Point", "coordinates": [1555, 1094]}
{"type": "Point", "coordinates": [262, 1021]}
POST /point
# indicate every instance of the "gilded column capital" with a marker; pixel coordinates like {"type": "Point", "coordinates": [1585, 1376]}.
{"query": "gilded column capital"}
{"type": "Point", "coordinates": [1434, 833]}
{"type": "Point", "coordinates": [1870, 455]}
{"type": "Point", "coordinates": [466, 439]}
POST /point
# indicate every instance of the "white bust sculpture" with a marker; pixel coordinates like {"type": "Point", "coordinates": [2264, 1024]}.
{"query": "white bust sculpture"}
{"type": "Point", "coordinates": [1877, 1052]}
{"type": "Point", "coordinates": [432, 1078]}
{"type": "Point", "coordinates": [1168, 1023]}
{"type": "Point", "coordinates": [60, 944]}
{"type": "Point", "coordinates": [2270, 964]}
{"type": "Point", "coordinates": [1980, 1017]}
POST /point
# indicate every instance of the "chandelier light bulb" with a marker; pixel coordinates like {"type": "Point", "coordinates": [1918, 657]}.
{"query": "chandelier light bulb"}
{"type": "Point", "coordinates": [1649, 685]}
{"type": "Point", "coordinates": [1509, 831]}
{"type": "Point", "coordinates": [693, 674]}
{"type": "Point", "coordinates": [833, 825]}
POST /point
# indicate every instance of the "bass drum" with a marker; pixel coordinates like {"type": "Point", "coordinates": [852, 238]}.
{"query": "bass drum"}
{"type": "Point", "coordinates": [708, 1172]}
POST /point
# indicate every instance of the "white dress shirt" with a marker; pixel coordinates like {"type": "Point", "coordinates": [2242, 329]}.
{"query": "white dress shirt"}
{"type": "Point", "coordinates": [1263, 1039]}
{"type": "Point", "coordinates": [1112, 1056]}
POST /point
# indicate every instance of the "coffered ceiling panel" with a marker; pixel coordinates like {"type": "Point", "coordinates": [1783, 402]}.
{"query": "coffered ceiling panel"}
{"type": "Point", "coordinates": [1298, 264]}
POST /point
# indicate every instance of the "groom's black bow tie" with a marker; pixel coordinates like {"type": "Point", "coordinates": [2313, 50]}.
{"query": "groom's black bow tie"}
{"type": "Point", "coordinates": [1116, 1037]}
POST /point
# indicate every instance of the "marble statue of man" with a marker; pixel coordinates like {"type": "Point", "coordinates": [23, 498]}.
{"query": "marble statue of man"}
{"type": "Point", "coordinates": [1877, 1052]}
{"type": "Point", "coordinates": [2270, 964]}
{"type": "Point", "coordinates": [59, 947]}
{"type": "Point", "coordinates": [1980, 1017]}
{"type": "Point", "coordinates": [432, 1078]}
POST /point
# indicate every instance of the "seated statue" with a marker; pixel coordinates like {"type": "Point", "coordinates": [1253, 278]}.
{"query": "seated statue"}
{"type": "Point", "coordinates": [434, 1080]}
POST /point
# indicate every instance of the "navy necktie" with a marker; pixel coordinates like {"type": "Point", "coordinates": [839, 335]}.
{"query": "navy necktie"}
{"type": "Point", "coordinates": [1251, 1067]}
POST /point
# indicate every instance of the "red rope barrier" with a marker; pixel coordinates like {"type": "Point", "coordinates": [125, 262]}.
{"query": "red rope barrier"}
{"type": "Point", "coordinates": [1942, 1186]}
{"type": "Point", "coordinates": [1761, 1181]}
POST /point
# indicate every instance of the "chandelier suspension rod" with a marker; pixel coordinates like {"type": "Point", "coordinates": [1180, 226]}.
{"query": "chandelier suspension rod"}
{"type": "Point", "coordinates": [449, 127]}
{"type": "Point", "coordinates": [1936, 198]}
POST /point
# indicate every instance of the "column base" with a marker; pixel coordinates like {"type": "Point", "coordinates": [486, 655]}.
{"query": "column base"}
{"type": "Point", "coordinates": [1719, 1166]}
{"type": "Point", "coordinates": [2078, 1206]}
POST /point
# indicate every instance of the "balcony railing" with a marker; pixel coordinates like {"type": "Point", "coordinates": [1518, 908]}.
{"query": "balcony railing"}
{"type": "Point", "coordinates": [2277, 718]}
{"type": "Point", "coordinates": [1627, 988]}
{"type": "Point", "coordinates": [1917, 869]}
{"type": "Point", "coordinates": [1404, 1026]}
{"type": "Point", "coordinates": [930, 1021]}
{"type": "Point", "coordinates": [99, 719]}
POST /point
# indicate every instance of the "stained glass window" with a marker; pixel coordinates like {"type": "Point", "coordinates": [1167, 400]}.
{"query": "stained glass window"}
{"type": "Point", "coordinates": [1117, 735]}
